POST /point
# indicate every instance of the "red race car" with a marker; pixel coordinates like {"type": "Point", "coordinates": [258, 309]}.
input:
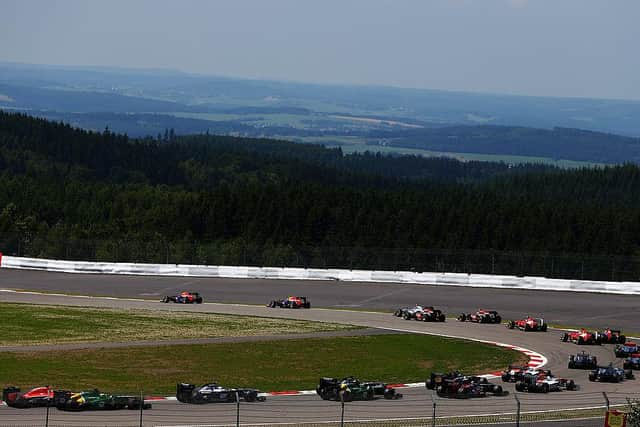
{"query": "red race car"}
{"type": "Point", "coordinates": [528, 324]}
{"type": "Point", "coordinates": [36, 397]}
{"type": "Point", "coordinates": [185, 297]}
{"type": "Point", "coordinates": [582, 337]}
{"type": "Point", "coordinates": [290, 302]}
{"type": "Point", "coordinates": [430, 314]}
{"type": "Point", "coordinates": [481, 316]}
{"type": "Point", "coordinates": [612, 336]}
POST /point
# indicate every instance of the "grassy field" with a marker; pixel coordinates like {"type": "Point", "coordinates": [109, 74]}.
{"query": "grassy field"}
{"type": "Point", "coordinates": [282, 365]}
{"type": "Point", "coordinates": [33, 324]}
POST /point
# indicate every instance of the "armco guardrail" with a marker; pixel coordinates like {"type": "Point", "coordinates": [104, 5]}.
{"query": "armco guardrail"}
{"type": "Point", "coordinates": [444, 279]}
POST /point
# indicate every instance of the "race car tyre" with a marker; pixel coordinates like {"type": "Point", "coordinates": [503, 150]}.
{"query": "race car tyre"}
{"type": "Point", "coordinates": [249, 397]}
{"type": "Point", "coordinates": [545, 388]}
{"type": "Point", "coordinates": [628, 374]}
{"type": "Point", "coordinates": [505, 378]}
{"type": "Point", "coordinates": [571, 385]}
{"type": "Point", "coordinates": [580, 341]}
{"type": "Point", "coordinates": [406, 316]}
{"type": "Point", "coordinates": [397, 313]}
{"type": "Point", "coordinates": [519, 386]}
{"type": "Point", "coordinates": [511, 324]}
{"type": "Point", "coordinates": [307, 305]}
{"type": "Point", "coordinates": [442, 318]}
{"type": "Point", "coordinates": [462, 317]}
{"type": "Point", "coordinates": [572, 364]}
{"type": "Point", "coordinates": [622, 339]}
{"type": "Point", "coordinates": [199, 300]}
{"type": "Point", "coordinates": [527, 328]}
{"type": "Point", "coordinates": [498, 319]}
{"type": "Point", "coordinates": [497, 390]}
{"type": "Point", "coordinates": [544, 328]}
{"type": "Point", "coordinates": [565, 337]}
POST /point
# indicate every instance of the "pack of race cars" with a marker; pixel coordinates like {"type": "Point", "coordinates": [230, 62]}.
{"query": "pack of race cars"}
{"type": "Point", "coordinates": [449, 385]}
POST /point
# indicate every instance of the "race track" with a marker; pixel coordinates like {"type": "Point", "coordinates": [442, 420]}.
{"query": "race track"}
{"type": "Point", "coordinates": [567, 308]}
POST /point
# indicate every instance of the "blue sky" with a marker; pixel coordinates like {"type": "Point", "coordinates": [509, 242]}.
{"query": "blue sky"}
{"type": "Point", "coordinates": [535, 47]}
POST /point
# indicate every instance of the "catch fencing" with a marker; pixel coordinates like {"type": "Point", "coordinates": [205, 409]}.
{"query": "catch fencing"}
{"type": "Point", "coordinates": [409, 277]}
{"type": "Point", "coordinates": [157, 249]}
{"type": "Point", "coordinates": [417, 409]}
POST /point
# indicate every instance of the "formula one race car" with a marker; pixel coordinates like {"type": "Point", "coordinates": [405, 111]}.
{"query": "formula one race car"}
{"type": "Point", "coordinates": [430, 314]}
{"type": "Point", "coordinates": [514, 373]}
{"type": "Point", "coordinates": [583, 360]}
{"type": "Point", "coordinates": [350, 388]}
{"type": "Point", "coordinates": [481, 316]}
{"type": "Point", "coordinates": [544, 382]}
{"type": "Point", "coordinates": [36, 397]}
{"type": "Point", "coordinates": [95, 401]}
{"type": "Point", "coordinates": [408, 313]}
{"type": "Point", "coordinates": [632, 362]}
{"type": "Point", "coordinates": [456, 385]}
{"type": "Point", "coordinates": [612, 336]}
{"type": "Point", "coordinates": [581, 337]}
{"type": "Point", "coordinates": [290, 302]}
{"type": "Point", "coordinates": [214, 393]}
{"type": "Point", "coordinates": [528, 324]}
{"type": "Point", "coordinates": [184, 297]}
{"type": "Point", "coordinates": [610, 374]}
{"type": "Point", "coordinates": [626, 350]}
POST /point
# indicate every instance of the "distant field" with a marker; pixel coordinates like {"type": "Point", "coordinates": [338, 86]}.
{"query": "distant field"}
{"type": "Point", "coordinates": [285, 365]}
{"type": "Point", "coordinates": [358, 145]}
{"type": "Point", "coordinates": [26, 324]}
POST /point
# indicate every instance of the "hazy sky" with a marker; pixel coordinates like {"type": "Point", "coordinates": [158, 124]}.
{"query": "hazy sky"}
{"type": "Point", "coordinates": [536, 47]}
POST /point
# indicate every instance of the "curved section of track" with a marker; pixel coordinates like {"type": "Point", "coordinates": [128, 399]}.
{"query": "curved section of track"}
{"type": "Point", "coordinates": [417, 402]}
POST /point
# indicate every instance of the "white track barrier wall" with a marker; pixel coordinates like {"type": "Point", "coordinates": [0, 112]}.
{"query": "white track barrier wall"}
{"type": "Point", "coordinates": [443, 279]}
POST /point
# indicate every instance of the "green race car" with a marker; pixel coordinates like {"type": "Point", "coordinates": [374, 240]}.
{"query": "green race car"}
{"type": "Point", "coordinates": [94, 400]}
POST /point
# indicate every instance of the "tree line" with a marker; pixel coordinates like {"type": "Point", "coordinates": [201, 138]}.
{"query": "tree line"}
{"type": "Point", "coordinates": [69, 193]}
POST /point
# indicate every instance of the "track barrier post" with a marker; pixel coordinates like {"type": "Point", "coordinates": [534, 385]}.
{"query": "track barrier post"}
{"type": "Point", "coordinates": [606, 399]}
{"type": "Point", "coordinates": [141, 407]}
{"type": "Point", "coordinates": [237, 409]}
{"type": "Point", "coordinates": [517, 410]}
{"type": "Point", "coordinates": [46, 419]}
{"type": "Point", "coordinates": [433, 416]}
{"type": "Point", "coordinates": [342, 409]}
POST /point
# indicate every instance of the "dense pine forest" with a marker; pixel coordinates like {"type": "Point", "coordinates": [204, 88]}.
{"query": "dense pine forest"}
{"type": "Point", "coordinates": [69, 193]}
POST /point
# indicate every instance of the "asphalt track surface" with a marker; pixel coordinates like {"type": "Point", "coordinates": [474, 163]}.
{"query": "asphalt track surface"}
{"type": "Point", "coordinates": [566, 308]}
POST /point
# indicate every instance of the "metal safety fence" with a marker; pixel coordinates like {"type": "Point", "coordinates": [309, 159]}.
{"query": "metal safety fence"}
{"type": "Point", "coordinates": [417, 408]}
{"type": "Point", "coordinates": [157, 249]}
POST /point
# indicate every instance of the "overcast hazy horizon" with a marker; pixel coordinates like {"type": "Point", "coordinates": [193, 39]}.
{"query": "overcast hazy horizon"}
{"type": "Point", "coordinates": [569, 48]}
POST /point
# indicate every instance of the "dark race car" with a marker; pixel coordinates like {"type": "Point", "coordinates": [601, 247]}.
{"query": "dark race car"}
{"type": "Point", "coordinates": [626, 350]}
{"type": "Point", "coordinates": [36, 397]}
{"type": "Point", "coordinates": [543, 382]}
{"type": "Point", "coordinates": [610, 374]}
{"type": "Point", "coordinates": [583, 360]}
{"type": "Point", "coordinates": [94, 400]}
{"type": "Point", "coordinates": [184, 297]}
{"type": "Point", "coordinates": [350, 388]}
{"type": "Point", "coordinates": [215, 393]}
{"type": "Point", "coordinates": [582, 337]}
{"type": "Point", "coordinates": [632, 362]}
{"type": "Point", "coordinates": [481, 316]}
{"type": "Point", "coordinates": [430, 314]}
{"type": "Point", "coordinates": [611, 336]}
{"type": "Point", "coordinates": [456, 385]}
{"type": "Point", "coordinates": [514, 373]}
{"type": "Point", "coordinates": [290, 302]}
{"type": "Point", "coordinates": [528, 324]}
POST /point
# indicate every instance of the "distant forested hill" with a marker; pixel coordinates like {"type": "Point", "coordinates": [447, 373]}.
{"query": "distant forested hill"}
{"type": "Point", "coordinates": [558, 143]}
{"type": "Point", "coordinates": [207, 199]}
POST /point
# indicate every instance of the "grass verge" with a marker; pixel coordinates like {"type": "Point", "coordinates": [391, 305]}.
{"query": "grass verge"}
{"type": "Point", "coordinates": [27, 324]}
{"type": "Point", "coordinates": [268, 365]}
